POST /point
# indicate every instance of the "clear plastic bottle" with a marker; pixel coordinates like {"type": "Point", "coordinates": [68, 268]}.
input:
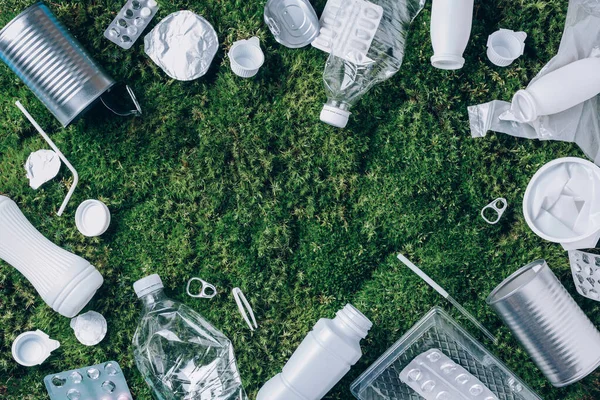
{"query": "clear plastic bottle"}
{"type": "Point", "coordinates": [181, 355]}
{"type": "Point", "coordinates": [346, 82]}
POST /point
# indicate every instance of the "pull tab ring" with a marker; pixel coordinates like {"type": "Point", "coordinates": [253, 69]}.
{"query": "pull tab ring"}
{"type": "Point", "coordinates": [203, 294]}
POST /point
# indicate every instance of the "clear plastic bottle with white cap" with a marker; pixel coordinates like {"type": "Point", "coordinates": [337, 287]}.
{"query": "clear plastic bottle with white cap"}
{"type": "Point", "coordinates": [322, 359]}
{"type": "Point", "coordinates": [179, 353]}
{"type": "Point", "coordinates": [346, 82]}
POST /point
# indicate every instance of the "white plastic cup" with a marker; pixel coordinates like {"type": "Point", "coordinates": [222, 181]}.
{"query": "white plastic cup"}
{"type": "Point", "coordinates": [505, 46]}
{"type": "Point", "coordinates": [246, 57]}
{"type": "Point", "coordinates": [33, 348]}
{"type": "Point", "coordinates": [451, 22]}
{"type": "Point", "coordinates": [92, 218]}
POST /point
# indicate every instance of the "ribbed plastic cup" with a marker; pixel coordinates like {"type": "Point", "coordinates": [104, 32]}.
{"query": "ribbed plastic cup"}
{"type": "Point", "coordinates": [557, 335]}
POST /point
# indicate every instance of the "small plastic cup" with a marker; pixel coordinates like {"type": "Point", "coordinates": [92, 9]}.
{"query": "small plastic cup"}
{"type": "Point", "coordinates": [33, 348]}
{"type": "Point", "coordinates": [92, 218]}
{"type": "Point", "coordinates": [505, 46]}
{"type": "Point", "coordinates": [246, 57]}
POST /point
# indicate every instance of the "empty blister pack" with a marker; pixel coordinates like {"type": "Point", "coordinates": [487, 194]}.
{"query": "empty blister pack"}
{"type": "Point", "coordinates": [434, 376]}
{"type": "Point", "coordinates": [130, 22]}
{"type": "Point", "coordinates": [348, 28]}
{"type": "Point", "coordinates": [586, 273]}
{"type": "Point", "coordinates": [103, 381]}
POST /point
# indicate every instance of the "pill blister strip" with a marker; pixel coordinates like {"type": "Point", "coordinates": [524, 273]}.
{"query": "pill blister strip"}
{"type": "Point", "coordinates": [434, 376]}
{"type": "Point", "coordinates": [585, 268]}
{"type": "Point", "coordinates": [102, 381]}
{"type": "Point", "coordinates": [130, 22]}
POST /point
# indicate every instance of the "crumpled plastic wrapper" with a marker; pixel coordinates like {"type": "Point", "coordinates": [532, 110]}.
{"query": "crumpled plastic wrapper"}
{"type": "Point", "coordinates": [42, 166]}
{"type": "Point", "coordinates": [183, 44]}
{"type": "Point", "coordinates": [579, 124]}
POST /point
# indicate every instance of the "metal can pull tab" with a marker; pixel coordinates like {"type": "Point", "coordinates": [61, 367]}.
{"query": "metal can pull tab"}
{"type": "Point", "coordinates": [208, 291]}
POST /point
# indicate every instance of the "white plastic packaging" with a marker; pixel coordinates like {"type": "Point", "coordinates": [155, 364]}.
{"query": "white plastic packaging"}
{"type": "Point", "coordinates": [246, 57]}
{"type": "Point", "coordinates": [66, 282]}
{"type": "Point", "coordinates": [33, 348]}
{"type": "Point", "coordinates": [322, 359]}
{"type": "Point", "coordinates": [451, 22]}
{"type": "Point", "coordinates": [504, 46]}
{"type": "Point", "coordinates": [92, 218]}
{"type": "Point", "coordinates": [90, 328]}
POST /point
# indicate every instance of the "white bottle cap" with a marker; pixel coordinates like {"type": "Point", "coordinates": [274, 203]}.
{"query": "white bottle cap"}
{"type": "Point", "coordinates": [90, 328]}
{"type": "Point", "coordinates": [33, 348]}
{"type": "Point", "coordinates": [147, 285]}
{"type": "Point", "coordinates": [335, 116]}
{"type": "Point", "coordinates": [92, 218]}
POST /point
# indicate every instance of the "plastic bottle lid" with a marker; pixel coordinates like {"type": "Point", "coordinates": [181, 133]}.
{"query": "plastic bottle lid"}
{"type": "Point", "coordinates": [335, 116]}
{"type": "Point", "coordinates": [92, 218]}
{"type": "Point", "coordinates": [33, 348]}
{"type": "Point", "coordinates": [147, 285]}
{"type": "Point", "coordinates": [90, 328]}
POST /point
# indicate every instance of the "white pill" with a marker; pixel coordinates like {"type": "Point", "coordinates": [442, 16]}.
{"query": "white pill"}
{"type": "Point", "coordinates": [146, 12]}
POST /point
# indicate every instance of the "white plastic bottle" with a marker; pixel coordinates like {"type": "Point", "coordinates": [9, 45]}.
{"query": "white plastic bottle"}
{"type": "Point", "coordinates": [65, 281]}
{"type": "Point", "coordinates": [558, 90]}
{"type": "Point", "coordinates": [322, 359]}
{"type": "Point", "coordinates": [451, 22]}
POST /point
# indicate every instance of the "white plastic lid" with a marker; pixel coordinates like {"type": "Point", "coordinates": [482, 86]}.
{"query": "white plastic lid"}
{"type": "Point", "coordinates": [92, 218]}
{"type": "Point", "coordinates": [147, 285]}
{"type": "Point", "coordinates": [33, 348]}
{"type": "Point", "coordinates": [90, 328]}
{"type": "Point", "coordinates": [335, 116]}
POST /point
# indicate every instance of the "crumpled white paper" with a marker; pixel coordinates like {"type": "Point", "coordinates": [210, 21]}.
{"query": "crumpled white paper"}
{"type": "Point", "coordinates": [42, 166]}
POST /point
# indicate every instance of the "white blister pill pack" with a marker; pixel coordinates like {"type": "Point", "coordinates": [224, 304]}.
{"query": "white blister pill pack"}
{"type": "Point", "coordinates": [348, 28]}
{"type": "Point", "coordinates": [434, 376]}
{"type": "Point", "coordinates": [586, 273]}
{"type": "Point", "coordinates": [130, 22]}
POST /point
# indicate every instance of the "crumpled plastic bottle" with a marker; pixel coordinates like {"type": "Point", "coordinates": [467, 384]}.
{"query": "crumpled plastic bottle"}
{"type": "Point", "coordinates": [181, 355]}
{"type": "Point", "coordinates": [346, 81]}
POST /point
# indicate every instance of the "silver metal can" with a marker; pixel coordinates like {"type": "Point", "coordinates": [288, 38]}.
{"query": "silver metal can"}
{"type": "Point", "coordinates": [557, 335]}
{"type": "Point", "coordinates": [50, 61]}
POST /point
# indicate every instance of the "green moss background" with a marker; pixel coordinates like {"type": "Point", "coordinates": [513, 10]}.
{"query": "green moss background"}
{"type": "Point", "coordinates": [236, 181]}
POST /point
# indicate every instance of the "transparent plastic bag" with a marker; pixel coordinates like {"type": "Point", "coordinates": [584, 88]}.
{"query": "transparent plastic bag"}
{"type": "Point", "coordinates": [579, 124]}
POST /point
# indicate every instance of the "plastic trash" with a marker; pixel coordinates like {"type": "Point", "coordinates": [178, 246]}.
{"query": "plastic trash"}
{"type": "Point", "coordinates": [180, 354]}
{"type": "Point", "coordinates": [505, 46]}
{"type": "Point", "coordinates": [497, 206]}
{"type": "Point", "coordinates": [293, 23]}
{"type": "Point", "coordinates": [66, 282]}
{"type": "Point", "coordinates": [33, 348]}
{"type": "Point", "coordinates": [130, 22]}
{"type": "Point", "coordinates": [183, 45]}
{"type": "Point", "coordinates": [346, 82]}
{"type": "Point", "coordinates": [101, 381]}
{"type": "Point", "coordinates": [321, 360]}
{"type": "Point", "coordinates": [246, 57]}
{"type": "Point", "coordinates": [579, 124]}
{"type": "Point", "coordinates": [451, 22]}
{"type": "Point", "coordinates": [434, 376]}
{"type": "Point", "coordinates": [542, 315]}
{"type": "Point", "coordinates": [42, 166]}
{"type": "Point", "coordinates": [561, 203]}
{"type": "Point", "coordinates": [92, 218]}
{"type": "Point", "coordinates": [244, 308]}
{"type": "Point", "coordinates": [585, 268]}
{"type": "Point", "coordinates": [90, 328]}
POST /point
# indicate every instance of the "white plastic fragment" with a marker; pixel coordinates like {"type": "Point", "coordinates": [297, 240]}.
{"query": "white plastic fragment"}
{"type": "Point", "coordinates": [92, 218]}
{"type": "Point", "coordinates": [90, 328]}
{"type": "Point", "coordinates": [499, 205]}
{"type": "Point", "coordinates": [208, 291]}
{"type": "Point", "coordinates": [33, 348]}
{"type": "Point", "coordinates": [505, 46]}
{"type": "Point", "coordinates": [41, 166]}
{"type": "Point", "coordinates": [243, 305]}
{"type": "Point", "coordinates": [246, 57]}
{"type": "Point", "coordinates": [434, 376]}
{"type": "Point", "coordinates": [585, 268]}
{"type": "Point", "coordinates": [57, 151]}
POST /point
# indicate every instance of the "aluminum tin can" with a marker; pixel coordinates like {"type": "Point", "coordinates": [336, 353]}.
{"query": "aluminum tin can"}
{"type": "Point", "coordinates": [50, 61]}
{"type": "Point", "coordinates": [557, 335]}
{"type": "Point", "coordinates": [294, 23]}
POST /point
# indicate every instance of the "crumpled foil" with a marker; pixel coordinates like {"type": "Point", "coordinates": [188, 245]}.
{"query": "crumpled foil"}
{"type": "Point", "coordinates": [183, 44]}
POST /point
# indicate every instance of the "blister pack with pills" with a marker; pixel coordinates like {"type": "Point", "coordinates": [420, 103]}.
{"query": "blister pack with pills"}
{"type": "Point", "coordinates": [586, 273]}
{"type": "Point", "coordinates": [130, 22]}
{"type": "Point", "coordinates": [348, 29]}
{"type": "Point", "coordinates": [434, 376]}
{"type": "Point", "coordinates": [103, 381]}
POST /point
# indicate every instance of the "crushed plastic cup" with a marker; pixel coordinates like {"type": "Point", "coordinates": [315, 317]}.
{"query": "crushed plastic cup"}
{"type": "Point", "coordinates": [33, 348]}
{"type": "Point", "coordinates": [92, 218]}
{"type": "Point", "coordinates": [505, 46]}
{"type": "Point", "coordinates": [246, 57]}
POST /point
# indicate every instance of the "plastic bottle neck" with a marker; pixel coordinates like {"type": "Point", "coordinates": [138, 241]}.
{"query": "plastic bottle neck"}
{"type": "Point", "coordinates": [152, 298]}
{"type": "Point", "coordinates": [352, 322]}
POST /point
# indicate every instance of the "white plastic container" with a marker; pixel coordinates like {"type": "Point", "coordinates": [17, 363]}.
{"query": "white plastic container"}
{"type": "Point", "coordinates": [33, 348]}
{"type": "Point", "coordinates": [504, 46]}
{"type": "Point", "coordinates": [65, 281]}
{"type": "Point", "coordinates": [92, 218]}
{"type": "Point", "coordinates": [451, 22]}
{"type": "Point", "coordinates": [246, 57]}
{"type": "Point", "coordinates": [558, 91]}
{"type": "Point", "coordinates": [322, 359]}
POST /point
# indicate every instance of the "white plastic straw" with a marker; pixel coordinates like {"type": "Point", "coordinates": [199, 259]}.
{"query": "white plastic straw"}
{"type": "Point", "coordinates": [445, 294]}
{"type": "Point", "coordinates": [57, 151]}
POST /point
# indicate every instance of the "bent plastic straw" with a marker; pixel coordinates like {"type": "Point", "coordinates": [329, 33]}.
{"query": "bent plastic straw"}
{"type": "Point", "coordinates": [445, 294]}
{"type": "Point", "coordinates": [57, 151]}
